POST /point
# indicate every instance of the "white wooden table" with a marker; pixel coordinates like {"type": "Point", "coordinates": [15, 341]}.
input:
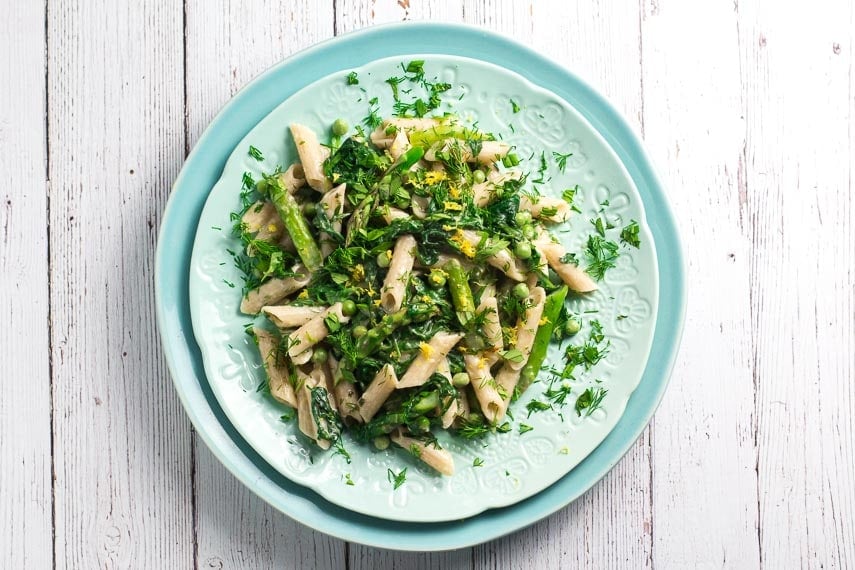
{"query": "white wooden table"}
{"type": "Point", "coordinates": [748, 106]}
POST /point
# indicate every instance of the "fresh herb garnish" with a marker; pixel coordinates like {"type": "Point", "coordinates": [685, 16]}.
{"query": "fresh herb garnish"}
{"type": "Point", "coordinates": [590, 401]}
{"type": "Point", "coordinates": [397, 479]}
{"type": "Point", "coordinates": [477, 462]}
{"type": "Point", "coordinates": [561, 159]}
{"type": "Point", "coordinates": [629, 234]}
{"type": "Point", "coordinates": [352, 78]}
{"type": "Point", "coordinates": [602, 255]}
{"type": "Point", "coordinates": [515, 107]}
{"type": "Point", "coordinates": [255, 153]}
{"type": "Point", "coordinates": [525, 428]}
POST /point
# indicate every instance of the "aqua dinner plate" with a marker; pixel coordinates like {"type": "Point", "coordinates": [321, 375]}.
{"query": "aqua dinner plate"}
{"type": "Point", "coordinates": [205, 166]}
{"type": "Point", "coordinates": [512, 466]}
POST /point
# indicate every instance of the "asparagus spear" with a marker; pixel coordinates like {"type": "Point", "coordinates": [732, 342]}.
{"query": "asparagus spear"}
{"type": "Point", "coordinates": [551, 310]}
{"type": "Point", "coordinates": [296, 226]}
{"type": "Point", "coordinates": [461, 294]}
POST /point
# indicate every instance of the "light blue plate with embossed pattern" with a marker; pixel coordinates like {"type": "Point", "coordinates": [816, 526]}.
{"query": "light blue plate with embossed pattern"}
{"type": "Point", "coordinates": [204, 167]}
{"type": "Point", "coordinates": [515, 466]}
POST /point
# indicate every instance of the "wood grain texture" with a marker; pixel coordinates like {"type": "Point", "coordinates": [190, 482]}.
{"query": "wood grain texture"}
{"type": "Point", "coordinates": [747, 107]}
{"type": "Point", "coordinates": [705, 502]}
{"type": "Point", "coordinates": [122, 446]}
{"type": "Point", "coordinates": [25, 407]}
{"type": "Point", "coordinates": [799, 205]}
{"type": "Point", "coordinates": [228, 44]}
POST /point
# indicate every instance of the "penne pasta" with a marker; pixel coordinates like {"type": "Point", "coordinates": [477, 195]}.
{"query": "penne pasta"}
{"type": "Point", "coordinates": [507, 379]}
{"type": "Point", "coordinates": [438, 458]}
{"type": "Point", "coordinates": [428, 359]}
{"type": "Point", "coordinates": [293, 179]}
{"type": "Point", "coordinates": [400, 145]}
{"type": "Point", "coordinates": [346, 393]}
{"type": "Point", "coordinates": [554, 210]}
{"type": "Point", "coordinates": [289, 317]}
{"type": "Point", "coordinates": [314, 331]}
{"type": "Point", "coordinates": [492, 328]}
{"type": "Point", "coordinates": [527, 327]}
{"type": "Point", "coordinates": [312, 157]}
{"type": "Point", "coordinates": [384, 383]}
{"type": "Point", "coordinates": [391, 213]}
{"type": "Point", "coordinates": [501, 260]}
{"type": "Point", "coordinates": [277, 371]}
{"type": "Point", "coordinates": [571, 274]}
{"type": "Point", "coordinates": [332, 204]}
{"type": "Point", "coordinates": [274, 291]}
{"type": "Point", "coordinates": [484, 192]}
{"type": "Point", "coordinates": [484, 386]}
{"type": "Point", "coordinates": [395, 285]}
{"type": "Point", "coordinates": [306, 420]}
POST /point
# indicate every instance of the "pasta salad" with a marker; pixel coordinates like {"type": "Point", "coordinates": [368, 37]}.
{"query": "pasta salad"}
{"type": "Point", "coordinates": [409, 279]}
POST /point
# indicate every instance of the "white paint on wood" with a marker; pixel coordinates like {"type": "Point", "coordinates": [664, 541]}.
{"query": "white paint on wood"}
{"type": "Point", "coordinates": [25, 455]}
{"type": "Point", "coordinates": [122, 446]}
{"type": "Point", "coordinates": [799, 208]}
{"type": "Point", "coordinates": [704, 453]}
{"type": "Point", "coordinates": [748, 109]}
{"type": "Point", "coordinates": [228, 44]}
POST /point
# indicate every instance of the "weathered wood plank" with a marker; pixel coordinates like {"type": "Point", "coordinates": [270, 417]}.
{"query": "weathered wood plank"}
{"type": "Point", "coordinates": [122, 445]}
{"type": "Point", "coordinates": [355, 14]}
{"type": "Point", "coordinates": [798, 199]}
{"type": "Point", "coordinates": [25, 421]}
{"type": "Point", "coordinates": [228, 44]}
{"type": "Point", "coordinates": [704, 451]}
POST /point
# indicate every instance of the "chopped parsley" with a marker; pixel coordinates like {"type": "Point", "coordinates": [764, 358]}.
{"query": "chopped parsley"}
{"type": "Point", "coordinates": [515, 107]}
{"type": "Point", "coordinates": [352, 78]}
{"type": "Point", "coordinates": [525, 428]}
{"type": "Point", "coordinates": [348, 480]}
{"type": "Point", "coordinates": [477, 462]}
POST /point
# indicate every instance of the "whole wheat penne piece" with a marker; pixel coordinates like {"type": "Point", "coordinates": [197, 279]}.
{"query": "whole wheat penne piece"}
{"type": "Point", "coordinates": [547, 208]}
{"type": "Point", "coordinates": [484, 192]}
{"type": "Point", "coordinates": [401, 265]}
{"type": "Point", "coordinates": [312, 157]}
{"type": "Point", "coordinates": [274, 291]}
{"type": "Point", "coordinates": [484, 386]}
{"type": "Point", "coordinates": [450, 413]}
{"type": "Point", "coordinates": [333, 206]}
{"type": "Point", "coordinates": [507, 379]}
{"type": "Point", "coordinates": [313, 331]}
{"type": "Point", "coordinates": [492, 328]}
{"type": "Point", "coordinates": [501, 260]}
{"type": "Point", "coordinates": [574, 276]}
{"type": "Point", "coordinates": [306, 420]}
{"type": "Point", "coordinates": [289, 316]}
{"type": "Point", "coordinates": [277, 372]}
{"type": "Point", "coordinates": [390, 214]}
{"type": "Point", "coordinates": [293, 179]}
{"type": "Point", "coordinates": [527, 327]}
{"type": "Point", "coordinates": [400, 145]}
{"type": "Point", "coordinates": [383, 384]}
{"type": "Point", "coordinates": [438, 458]}
{"type": "Point", "coordinates": [346, 393]}
{"type": "Point", "coordinates": [428, 359]}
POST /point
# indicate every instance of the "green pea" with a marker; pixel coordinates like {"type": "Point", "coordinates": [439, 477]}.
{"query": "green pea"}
{"type": "Point", "coordinates": [520, 291]}
{"type": "Point", "coordinates": [523, 218]}
{"type": "Point", "coordinates": [478, 176]}
{"type": "Point", "coordinates": [348, 308]}
{"type": "Point", "coordinates": [310, 209]}
{"type": "Point", "coordinates": [340, 127]}
{"type": "Point", "coordinates": [460, 380]}
{"type": "Point", "coordinates": [381, 442]}
{"type": "Point", "coordinates": [359, 331]}
{"type": "Point", "coordinates": [261, 186]}
{"type": "Point", "coordinates": [528, 231]}
{"type": "Point", "coordinates": [384, 259]}
{"type": "Point", "coordinates": [319, 356]}
{"type": "Point", "coordinates": [522, 250]}
{"type": "Point", "coordinates": [572, 326]}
